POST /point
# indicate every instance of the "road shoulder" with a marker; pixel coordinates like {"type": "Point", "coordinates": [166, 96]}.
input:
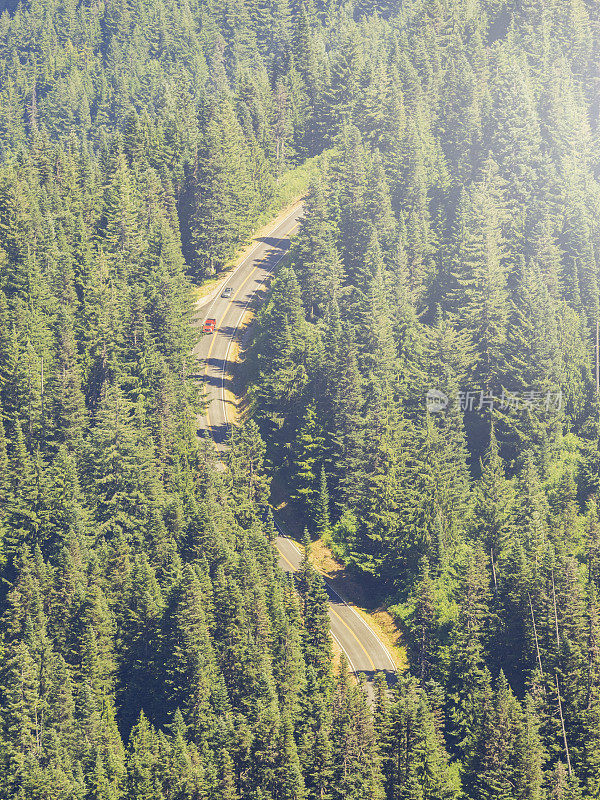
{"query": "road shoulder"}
{"type": "Point", "coordinates": [216, 283]}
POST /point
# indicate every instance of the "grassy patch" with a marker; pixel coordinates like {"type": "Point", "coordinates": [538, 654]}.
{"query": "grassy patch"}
{"type": "Point", "coordinates": [206, 287]}
{"type": "Point", "coordinates": [289, 188]}
{"type": "Point", "coordinates": [292, 184]}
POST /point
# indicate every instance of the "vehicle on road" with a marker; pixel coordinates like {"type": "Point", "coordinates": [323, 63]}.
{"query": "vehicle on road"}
{"type": "Point", "coordinates": [209, 326]}
{"type": "Point", "coordinates": [227, 291]}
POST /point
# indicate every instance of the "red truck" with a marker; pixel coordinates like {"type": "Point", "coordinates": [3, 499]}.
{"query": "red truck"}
{"type": "Point", "coordinates": [209, 326]}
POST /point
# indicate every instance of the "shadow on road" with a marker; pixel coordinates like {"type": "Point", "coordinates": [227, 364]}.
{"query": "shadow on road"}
{"type": "Point", "coordinates": [224, 374]}
{"type": "Point", "coordinates": [391, 676]}
{"type": "Point", "coordinates": [220, 433]}
{"type": "Point", "coordinates": [280, 244]}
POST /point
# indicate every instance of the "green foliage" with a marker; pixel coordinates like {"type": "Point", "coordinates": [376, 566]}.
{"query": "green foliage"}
{"type": "Point", "coordinates": [150, 647]}
{"type": "Point", "coordinates": [448, 244]}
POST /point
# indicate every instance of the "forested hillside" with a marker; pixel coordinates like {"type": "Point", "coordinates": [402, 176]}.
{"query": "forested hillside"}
{"type": "Point", "coordinates": [452, 246]}
{"type": "Point", "coordinates": [150, 647]}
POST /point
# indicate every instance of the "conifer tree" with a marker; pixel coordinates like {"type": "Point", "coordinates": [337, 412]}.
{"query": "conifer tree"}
{"type": "Point", "coordinates": [470, 683]}
{"type": "Point", "coordinates": [315, 257]}
{"type": "Point", "coordinates": [449, 241]}
{"type": "Point", "coordinates": [356, 763]}
{"type": "Point", "coordinates": [498, 768]}
{"type": "Point", "coordinates": [222, 192]}
{"type": "Point", "coordinates": [480, 304]}
{"type": "Point", "coordinates": [321, 513]}
{"type": "Point", "coordinates": [417, 761]}
{"type": "Point", "coordinates": [490, 523]}
{"type": "Point", "coordinates": [307, 452]}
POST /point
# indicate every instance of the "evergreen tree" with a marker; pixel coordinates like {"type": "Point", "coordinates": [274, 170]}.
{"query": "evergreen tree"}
{"type": "Point", "coordinates": [418, 762]}
{"type": "Point", "coordinates": [356, 763]}
{"type": "Point", "coordinates": [321, 512]}
{"type": "Point", "coordinates": [306, 456]}
{"type": "Point", "coordinates": [222, 191]}
{"type": "Point", "coordinates": [448, 242]}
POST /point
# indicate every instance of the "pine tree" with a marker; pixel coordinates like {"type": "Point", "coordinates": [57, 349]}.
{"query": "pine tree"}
{"type": "Point", "coordinates": [20, 689]}
{"type": "Point", "coordinates": [470, 680]}
{"type": "Point", "coordinates": [315, 607]}
{"type": "Point", "coordinates": [492, 503]}
{"type": "Point", "coordinates": [67, 396]}
{"type": "Point", "coordinates": [227, 784]}
{"type": "Point", "coordinates": [307, 452]}
{"type": "Point", "coordinates": [423, 624]}
{"type": "Point", "coordinates": [142, 778]}
{"type": "Point", "coordinates": [115, 467]}
{"type": "Point", "coordinates": [321, 511]}
{"type": "Point", "coordinates": [356, 763]}
{"type": "Point", "coordinates": [314, 254]}
{"type": "Point", "coordinates": [480, 296]}
{"type": "Point", "coordinates": [223, 197]}
{"type": "Point", "coordinates": [529, 365]}
{"type": "Point", "coordinates": [189, 655]}
{"type": "Point", "coordinates": [290, 781]}
{"type": "Point", "coordinates": [418, 762]}
{"type": "Point", "coordinates": [500, 760]}
{"type": "Point", "coordinates": [348, 426]}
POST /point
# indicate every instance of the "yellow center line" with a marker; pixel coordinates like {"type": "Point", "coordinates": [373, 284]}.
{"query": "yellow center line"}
{"type": "Point", "coordinates": [244, 310]}
{"type": "Point", "coordinates": [222, 320]}
{"type": "Point", "coordinates": [239, 289]}
{"type": "Point", "coordinates": [361, 645]}
{"type": "Point", "coordinates": [335, 614]}
{"type": "Point", "coordinates": [384, 647]}
{"type": "Point", "coordinates": [286, 559]}
{"type": "Point", "coordinates": [241, 286]}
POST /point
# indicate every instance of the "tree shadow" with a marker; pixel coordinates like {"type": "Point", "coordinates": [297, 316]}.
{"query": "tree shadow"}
{"type": "Point", "coordinates": [280, 244]}
{"type": "Point", "coordinates": [224, 374]}
{"type": "Point", "coordinates": [220, 432]}
{"type": "Point", "coordinates": [391, 676]}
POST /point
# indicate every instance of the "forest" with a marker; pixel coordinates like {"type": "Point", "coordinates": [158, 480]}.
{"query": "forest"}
{"type": "Point", "coordinates": [421, 381]}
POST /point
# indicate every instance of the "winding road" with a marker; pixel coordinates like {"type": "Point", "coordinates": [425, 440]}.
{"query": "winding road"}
{"type": "Point", "coordinates": [217, 353]}
{"type": "Point", "coordinates": [365, 651]}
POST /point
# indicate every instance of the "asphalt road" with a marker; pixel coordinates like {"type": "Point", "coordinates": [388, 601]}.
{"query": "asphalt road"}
{"type": "Point", "coordinates": [213, 350]}
{"type": "Point", "coordinates": [364, 651]}
{"type": "Point", "coordinates": [363, 648]}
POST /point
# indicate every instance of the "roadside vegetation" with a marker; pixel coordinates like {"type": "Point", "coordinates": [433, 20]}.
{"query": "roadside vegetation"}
{"type": "Point", "coordinates": [150, 648]}
{"type": "Point", "coordinates": [449, 249]}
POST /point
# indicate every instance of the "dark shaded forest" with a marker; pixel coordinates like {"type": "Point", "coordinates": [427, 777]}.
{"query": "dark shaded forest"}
{"type": "Point", "coordinates": [150, 647]}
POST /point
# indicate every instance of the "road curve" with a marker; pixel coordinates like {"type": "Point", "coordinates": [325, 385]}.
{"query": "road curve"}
{"type": "Point", "coordinates": [364, 650]}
